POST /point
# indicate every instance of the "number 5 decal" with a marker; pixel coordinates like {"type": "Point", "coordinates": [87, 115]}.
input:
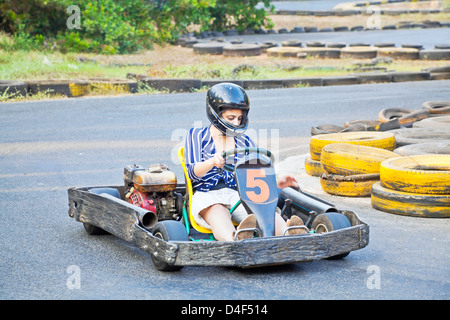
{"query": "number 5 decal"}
{"type": "Point", "coordinates": [255, 179]}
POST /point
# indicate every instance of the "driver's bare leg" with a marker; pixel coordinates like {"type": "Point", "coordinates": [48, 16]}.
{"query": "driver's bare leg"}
{"type": "Point", "coordinates": [219, 219]}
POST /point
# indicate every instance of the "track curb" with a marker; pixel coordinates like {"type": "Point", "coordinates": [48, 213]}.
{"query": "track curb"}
{"type": "Point", "coordinates": [78, 88]}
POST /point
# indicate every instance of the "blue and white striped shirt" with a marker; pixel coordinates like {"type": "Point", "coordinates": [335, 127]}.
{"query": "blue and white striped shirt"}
{"type": "Point", "coordinates": [200, 147]}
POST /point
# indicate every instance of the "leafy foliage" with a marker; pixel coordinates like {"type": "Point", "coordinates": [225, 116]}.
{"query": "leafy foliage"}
{"type": "Point", "coordinates": [120, 26]}
{"type": "Point", "coordinates": [240, 14]}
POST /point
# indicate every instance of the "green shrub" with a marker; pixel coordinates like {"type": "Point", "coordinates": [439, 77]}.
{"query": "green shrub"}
{"type": "Point", "coordinates": [240, 14]}
{"type": "Point", "coordinates": [120, 26]}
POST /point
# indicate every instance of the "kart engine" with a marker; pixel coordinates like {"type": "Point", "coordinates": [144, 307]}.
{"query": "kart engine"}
{"type": "Point", "coordinates": [153, 189]}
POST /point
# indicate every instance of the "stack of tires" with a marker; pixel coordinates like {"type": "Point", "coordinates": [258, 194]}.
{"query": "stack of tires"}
{"type": "Point", "coordinates": [348, 163]}
{"type": "Point", "coordinates": [417, 185]}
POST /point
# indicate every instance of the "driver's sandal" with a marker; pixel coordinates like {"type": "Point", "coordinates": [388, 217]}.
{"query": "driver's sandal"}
{"type": "Point", "coordinates": [295, 226]}
{"type": "Point", "coordinates": [247, 228]}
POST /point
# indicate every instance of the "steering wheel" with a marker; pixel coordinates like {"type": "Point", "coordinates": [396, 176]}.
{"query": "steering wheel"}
{"type": "Point", "coordinates": [235, 151]}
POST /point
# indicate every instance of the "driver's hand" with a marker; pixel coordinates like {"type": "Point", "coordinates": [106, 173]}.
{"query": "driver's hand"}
{"type": "Point", "coordinates": [218, 160]}
{"type": "Point", "coordinates": [286, 181]}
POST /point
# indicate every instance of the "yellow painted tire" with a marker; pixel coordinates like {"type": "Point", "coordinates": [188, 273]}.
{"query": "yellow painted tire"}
{"type": "Point", "coordinates": [424, 174]}
{"type": "Point", "coordinates": [383, 140]}
{"type": "Point", "coordinates": [410, 204]}
{"type": "Point", "coordinates": [313, 167]}
{"type": "Point", "coordinates": [350, 159]}
{"type": "Point", "coordinates": [348, 186]}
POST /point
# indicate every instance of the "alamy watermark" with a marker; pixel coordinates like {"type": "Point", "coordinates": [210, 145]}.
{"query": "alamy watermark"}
{"type": "Point", "coordinates": [374, 20]}
{"type": "Point", "coordinates": [74, 20]}
{"type": "Point", "coordinates": [74, 279]}
{"type": "Point", "coordinates": [374, 279]}
{"type": "Point", "coordinates": [264, 138]}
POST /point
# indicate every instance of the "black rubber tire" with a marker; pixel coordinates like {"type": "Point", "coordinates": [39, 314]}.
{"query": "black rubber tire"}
{"type": "Point", "coordinates": [366, 123]}
{"type": "Point", "coordinates": [209, 48]}
{"type": "Point", "coordinates": [315, 44]}
{"type": "Point", "coordinates": [410, 204]}
{"type": "Point", "coordinates": [241, 50]}
{"type": "Point", "coordinates": [291, 43]}
{"type": "Point", "coordinates": [442, 147]}
{"type": "Point", "coordinates": [434, 54]}
{"type": "Point", "coordinates": [326, 128]}
{"type": "Point", "coordinates": [168, 230]}
{"type": "Point", "coordinates": [404, 137]}
{"type": "Point", "coordinates": [388, 114]}
{"type": "Point", "coordinates": [433, 122]}
{"type": "Point", "coordinates": [437, 107]}
{"type": "Point", "coordinates": [331, 221]}
{"type": "Point", "coordinates": [94, 230]}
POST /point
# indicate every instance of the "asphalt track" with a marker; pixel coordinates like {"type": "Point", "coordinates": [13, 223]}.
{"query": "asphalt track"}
{"type": "Point", "coordinates": [49, 146]}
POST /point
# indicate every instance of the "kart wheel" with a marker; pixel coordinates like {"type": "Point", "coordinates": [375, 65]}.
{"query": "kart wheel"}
{"type": "Point", "coordinates": [93, 230]}
{"type": "Point", "coordinates": [168, 230]}
{"type": "Point", "coordinates": [331, 221]}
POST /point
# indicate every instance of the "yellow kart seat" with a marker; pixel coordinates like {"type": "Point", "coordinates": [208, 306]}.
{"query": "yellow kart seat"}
{"type": "Point", "coordinates": [189, 193]}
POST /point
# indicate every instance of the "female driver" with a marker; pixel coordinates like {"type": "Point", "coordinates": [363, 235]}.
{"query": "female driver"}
{"type": "Point", "coordinates": [227, 107]}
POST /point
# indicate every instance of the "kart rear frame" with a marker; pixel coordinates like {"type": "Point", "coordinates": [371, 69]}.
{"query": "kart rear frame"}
{"type": "Point", "coordinates": [121, 219]}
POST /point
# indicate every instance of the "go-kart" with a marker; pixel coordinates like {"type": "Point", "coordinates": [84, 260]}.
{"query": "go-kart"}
{"type": "Point", "coordinates": [152, 211]}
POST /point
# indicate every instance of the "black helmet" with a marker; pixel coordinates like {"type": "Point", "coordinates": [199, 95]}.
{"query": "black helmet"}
{"type": "Point", "coordinates": [224, 96]}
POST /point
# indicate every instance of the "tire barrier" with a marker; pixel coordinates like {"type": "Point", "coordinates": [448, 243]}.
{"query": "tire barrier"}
{"type": "Point", "coordinates": [383, 140]}
{"type": "Point", "coordinates": [318, 52]}
{"type": "Point", "coordinates": [291, 43]}
{"type": "Point", "coordinates": [437, 107]}
{"type": "Point", "coordinates": [326, 128]}
{"type": "Point", "coordinates": [410, 204]}
{"type": "Point", "coordinates": [348, 186]}
{"type": "Point", "coordinates": [424, 148]}
{"type": "Point", "coordinates": [241, 50]}
{"type": "Point", "coordinates": [350, 159]}
{"type": "Point", "coordinates": [313, 167]}
{"type": "Point", "coordinates": [435, 122]}
{"type": "Point", "coordinates": [396, 118]}
{"type": "Point", "coordinates": [358, 52]}
{"type": "Point", "coordinates": [315, 44]}
{"type": "Point", "coordinates": [413, 180]}
{"type": "Point", "coordinates": [388, 114]}
{"type": "Point", "coordinates": [366, 123]}
{"type": "Point", "coordinates": [209, 48]}
{"type": "Point", "coordinates": [434, 54]}
{"type": "Point", "coordinates": [287, 52]}
{"type": "Point", "coordinates": [407, 136]}
{"type": "Point", "coordinates": [398, 53]}
{"type": "Point", "coordinates": [423, 174]}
